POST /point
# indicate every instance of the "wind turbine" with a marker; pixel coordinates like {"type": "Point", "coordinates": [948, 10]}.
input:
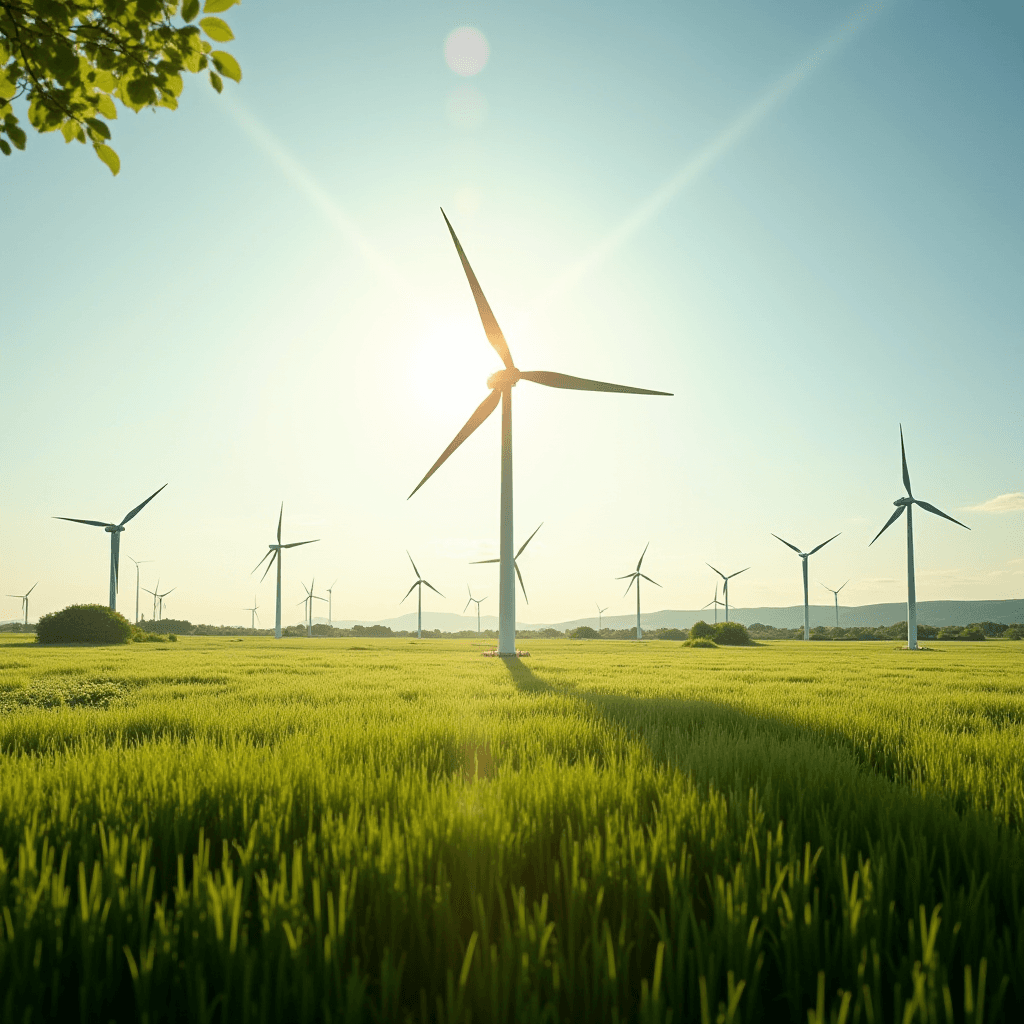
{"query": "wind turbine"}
{"type": "Point", "coordinates": [24, 599]}
{"type": "Point", "coordinates": [600, 612]}
{"type": "Point", "coordinates": [274, 554]}
{"type": "Point", "coordinates": [145, 561]}
{"type": "Point", "coordinates": [804, 555]}
{"type": "Point", "coordinates": [501, 384]}
{"type": "Point", "coordinates": [904, 505]}
{"type": "Point", "coordinates": [836, 593]}
{"type": "Point", "coordinates": [309, 599]}
{"type": "Point", "coordinates": [115, 530]}
{"type": "Point", "coordinates": [515, 565]}
{"type": "Point", "coordinates": [254, 617]}
{"type": "Point", "coordinates": [716, 603]}
{"type": "Point", "coordinates": [421, 583]}
{"type": "Point", "coordinates": [635, 577]}
{"type": "Point", "coordinates": [479, 601]}
{"type": "Point", "coordinates": [725, 588]}
{"type": "Point", "coordinates": [330, 599]}
{"type": "Point", "coordinates": [159, 597]}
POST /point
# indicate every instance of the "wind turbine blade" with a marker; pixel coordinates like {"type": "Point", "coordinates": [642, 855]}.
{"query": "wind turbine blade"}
{"type": "Point", "coordinates": [527, 541]}
{"type": "Point", "coordinates": [638, 564]}
{"type": "Point", "coordinates": [138, 508]}
{"type": "Point", "coordinates": [892, 519]}
{"type": "Point", "coordinates": [519, 576]}
{"type": "Point", "coordinates": [649, 580]}
{"type": "Point", "coordinates": [788, 545]}
{"type": "Point", "coordinates": [171, 591]}
{"type": "Point", "coordinates": [632, 580]}
{"type": "Point", "coordinates": [823, 543]}
{"type": "Point", "coordinates": [709, 604]}
{"type": "Point", "coordinates": [414, 569]}
{"type": "Point", "coordinates": [829, 589]}
{"type": "Point", "coordinates": [468, 603]}
{"type": "Point", "coordinates": [719, 571]}
{"type": "Point", "coordinates": [270, 564]}
{"type": "Point", "coordinates": [280, 520]}
{"type": "Point", "coordinates": [299, 543]}
{"type": "Point", "coordinates": [331, 587]}
{"type": "Point", "coordinates": [843, 586]}
{"type": "Point", "coordinates": [88, 522]}
{"type": "Point", "coordinates": [257, 614]}
{"type": "Point", "coordinates": [262, 560]}
{"type": "Point", "coordinates": [730, 576]}
{"type": "Point", "coordinates": [938, 512]}
{"type": "Point", "coordinates": [486, 561]}
{"type": "Point", "coordinates": [627, 576]}
{"type": "Point", "coordinates": [409, 591]}
{"type": "Point", "coordinates": [317, 597]}
{"type": "Point", "coordinates": [33, 587]}
{"type": "Point", "coordinates": [433, 588]}
{"type": "Point", "coordinates": [563, 380]}
{"type": "Point", "coordinates": [906, 475]}
{"type": "Point", "coordinates": [491, 328]}
{"type": "Point", "coordinates": [153, 592]}
{"type": "Point", "coordinates": [483, 410]}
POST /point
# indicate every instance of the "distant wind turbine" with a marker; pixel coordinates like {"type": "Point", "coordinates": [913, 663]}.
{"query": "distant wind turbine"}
{"type": "Point", "coordinates": [836, 595]}
{"type": "Point", "coordinates": [515, 562]}
{"type": "Point", "coordinates": [905, 505]}
{"type": "Point", "coordinates": [725, 588]}
{"type": "Point", "coordinates": [157, 596]}
{"type": "Point", "coordinates": [714, 601]}
{"type": "Point", "coordinates": [254, 617]}
{"type": "Point", "coordinates": [479, 601]}
{"type": "Point", "coordinates": [804, 555]}
{"type": "Point", "coordinates": [420, 583]}
{"type": "Point", "coordinates": [501, 384]}
{"type": "Point", "coordinates": [600, 612]}
{"type": "Point", "coordinates": [115, 530]}
{"type": "Point", "coordinates": [635, 577]}
{"type": "Point", "coordinates": [24, 599]}
{"type": "Point", "coordinates": [274, 554]}
{"type": "Point", "coordinates": [330, 599]}
{"type": "Point", "coordinates": [144, 561]}
{"type": "Point", "coordinates": [309, 599]}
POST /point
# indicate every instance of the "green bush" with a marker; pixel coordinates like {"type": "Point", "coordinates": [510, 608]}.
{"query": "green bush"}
{"type": "Point", "coordinates": [84, 624]}
{"type": "Point", "coordinates": [732, 634]}
{"type": "Point", "coordinates": [583, 633]}
{"type": "Point", "coordinates": [143, 636]}
{"type": "Point", "coordinates": [670, 634]}
{"type": "Point", "coordinates": [700, 641]}
{"type": "Point", "coordinates": [1015, 632]}
{"type": "Point", "coordinates": [974, 632]}
{"type": "Point", "coordinates": [701, 628]}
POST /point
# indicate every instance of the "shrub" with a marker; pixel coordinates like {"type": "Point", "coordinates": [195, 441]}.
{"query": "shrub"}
{"type": "Point", "coordinates": [671, 634]}
{"type": "Point", "coordinates": [1015, 632]}
{"type": "Point", "coordinates": [144, 636]}
{"type": "Point", "coordinates": [701, 628]}
{"type": "Point", "coordinates": [84, 624]}
{"type": "Point", "coordinates": [700, 641]}
{"type": "Point", "coordinates": [732, 634]}
{"type": "Point", "coordinates": [583, 633]}
{"type": "Point", "coordinates": [974, 632]}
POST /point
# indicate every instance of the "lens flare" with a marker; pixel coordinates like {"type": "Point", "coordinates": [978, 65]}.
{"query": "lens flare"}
{"type": "Point", "coordinates": [466, 51]}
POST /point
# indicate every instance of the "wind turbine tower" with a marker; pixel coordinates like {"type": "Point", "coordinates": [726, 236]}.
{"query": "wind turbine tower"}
{"type": "Point", "coordinates": [254, 618]}
{"type": "Point", "coordinates": [600, 612]}
{"type": "Point", "coordinates": [501, 385]}
{"type": "Point", "coordinates": [479, 601]}
{"type": "Point", "coordinates": [725, 588]}
{"type": "Point", "coordinates": [804, 555]}
{"type": "Point", "coordinates": [115, 530]}
{"type": "Point", "coordinates": [274, 554]}
{"type": "Point", "coordinates": [420, 583]}
{"type": "Point", "coordinates": [714, 601]}
{"type": "Point", "coordinates": [309, 599]}
{"type": "Point", "coordinates": [144, 561]}
{"type": "Point", "coordinates": [635, 577]}
{"type": "Point", "coordinates": [330, 599]}
{"type": "Point", "coordinates": [835, 593]}
{"type": "Point", "coordinates": [157, 596]}
{"type": "Point", "coordinates": [23, 598]}
{"type": "Point", "coordinates": [906, 505]}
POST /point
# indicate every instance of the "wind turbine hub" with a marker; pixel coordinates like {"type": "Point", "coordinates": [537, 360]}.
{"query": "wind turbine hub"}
{"type": "Point", "coordinates": [904, 501]}
{"type": "Point", "coordinates": [503, 379]}
{"type": "Point", "coordinates": [113, 529]}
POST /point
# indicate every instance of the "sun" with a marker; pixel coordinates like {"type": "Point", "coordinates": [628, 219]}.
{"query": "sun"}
{"type": "Point", "coordinates": [450, 363]}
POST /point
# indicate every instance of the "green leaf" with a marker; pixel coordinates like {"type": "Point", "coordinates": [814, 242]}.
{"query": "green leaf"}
{"type": "Point", "coordinates": [217, 30]}
{"type": "Point", "coordinates": [16, 135]}
{"type": "Point", "coordinates": [216, 6]}
{"type": "Point", "coordinates": [109, 157]}
{"type": "Point", "coordinates": [4, 147]}
{"type": "Point", "coordinates": [216, 81]}
{"type": "Point", "coordinates": [98, 127]}
{"type": "Point", "coordinates": [189, 9]}
{"type": "Point", "coordinates": [226, 65]}
{"type": "Point", "coordinates": [105, 105]}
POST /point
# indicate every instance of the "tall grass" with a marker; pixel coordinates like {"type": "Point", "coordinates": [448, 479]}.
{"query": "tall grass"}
{"type": "Point", "coordinates": [392, 830]}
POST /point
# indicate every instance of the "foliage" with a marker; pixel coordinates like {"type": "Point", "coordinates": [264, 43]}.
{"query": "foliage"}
{"type": "Point", "coordinates": [701, 629]}
{"type": "Point", "coordinates": [1015, 632]}
{"type": "Point", "coordinates": [730, 634]}
{"type": "Point", "coordinates": [583, 633]}
{"type": "Point", "coordinates": [71, 59]}
{"type": "Point", "coordinates": [897, 631]}
{"type": "Point", "coordinates": [145, 636]}
{"type": "Point", "coordinates": [84, 624]}
{"type": "Point", "coordinates": [668, 634]}
{"type": "Point", "coordinates": [699, 641]}
{"type": "Point", "coordinates": [972, 632]}
{"type": "Point", "coordinates": [180, 626]}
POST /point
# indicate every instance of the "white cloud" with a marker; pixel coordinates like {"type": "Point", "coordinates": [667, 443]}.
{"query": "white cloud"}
{"type": "Point", "coordinates": [1013, 502]}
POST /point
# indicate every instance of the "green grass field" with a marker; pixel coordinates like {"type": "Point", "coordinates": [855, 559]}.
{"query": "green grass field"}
{"type": "Point", "coordinates": [303, 830]}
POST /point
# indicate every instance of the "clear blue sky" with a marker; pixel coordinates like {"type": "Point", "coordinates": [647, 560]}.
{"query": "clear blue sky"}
{"type": "Point", "coordinates": [805, 220]}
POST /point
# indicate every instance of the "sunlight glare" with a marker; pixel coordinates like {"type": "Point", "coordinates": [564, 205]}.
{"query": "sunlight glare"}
{"type": "Point", "coordinates": [449, 368]}
{"type": "Point", "coordinates": [466, 51]}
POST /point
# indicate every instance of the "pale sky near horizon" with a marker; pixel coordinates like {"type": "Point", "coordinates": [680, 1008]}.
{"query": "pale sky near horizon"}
{"type": "Point", "coordinates": [804, 220]}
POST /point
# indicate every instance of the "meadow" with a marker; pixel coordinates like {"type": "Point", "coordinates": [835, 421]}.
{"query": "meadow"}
{"type": "Point", "coordinates": [343, 830]}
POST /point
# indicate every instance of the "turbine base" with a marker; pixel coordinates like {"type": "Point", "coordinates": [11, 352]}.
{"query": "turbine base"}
{"type": "Point", "coordinates": [499, 654]}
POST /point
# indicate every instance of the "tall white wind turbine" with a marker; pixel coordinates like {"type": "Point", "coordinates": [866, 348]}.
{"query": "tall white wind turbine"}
{"type": "Point", "coordinates": [330, 600]}
{"type": "Point", "coordinates": [254, 618]}
{"type": "Point", "coordinates": [274, 554]}
{"type": "Point", "coordinates": [501, 384]}
{"type": "Point", "coordinates": [138, 562]}
{"type": "Point", "coordinates": [600, 612]}
{"type": "Point", "coordinates": [804, 555]}
{"type": "Point", "coordinates": [479, 601]}
{"type": "Point", "coordinates": [157, 596]}
{"type": "Point", "coordinates": [310, 598]}
{"type": "Point", "coordinates": [714, 601]}
{"type": "Point", "coordinates": [835, 593]}
{"type": "Point", "coordinates": [725, 588]}
{"type": "Point", "coordinates": [515, 565]}
{"type": "Point", "coordinates": [635, 577]}
{"type": "Point", "coordinates": [420, 583]}
{"type": "Point", "coordinates": [905, 505]}
{"type": "Point", "coordinates": [115, 530]}
{"type": "Point", "coordinates": [23, 598]}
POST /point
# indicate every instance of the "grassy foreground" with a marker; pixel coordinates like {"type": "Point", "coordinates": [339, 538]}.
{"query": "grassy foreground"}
{"type": "Point", "coordinates": [249, 830]}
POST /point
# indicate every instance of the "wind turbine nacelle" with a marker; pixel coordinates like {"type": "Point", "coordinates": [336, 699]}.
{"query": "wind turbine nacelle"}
{"type": "Point", "coordinates": [113, 529]}
{"type": "Point", "coordinates": [503, 379]}
{"type": "Point", "coordinates": [904, 501]}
